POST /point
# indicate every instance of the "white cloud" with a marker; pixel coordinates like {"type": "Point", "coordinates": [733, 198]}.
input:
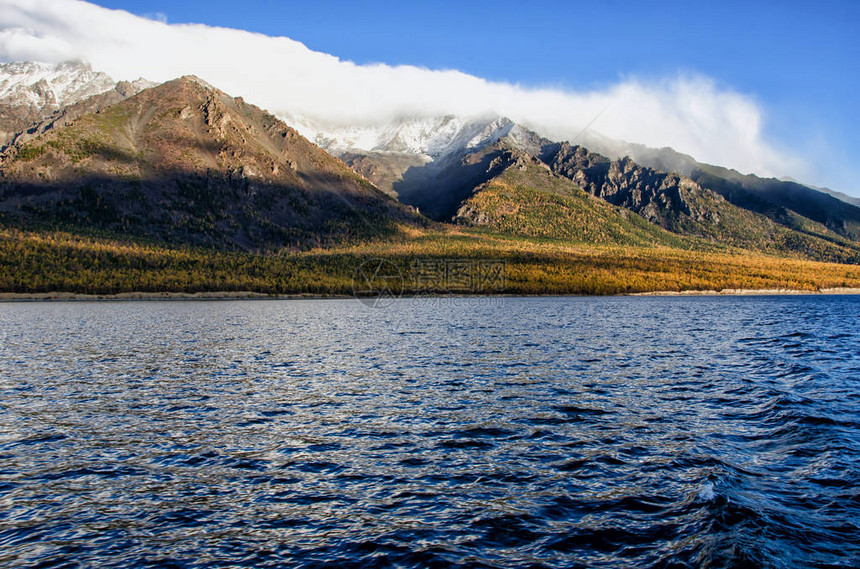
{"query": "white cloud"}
{"type": "Point", "coordinates": [689, 113]}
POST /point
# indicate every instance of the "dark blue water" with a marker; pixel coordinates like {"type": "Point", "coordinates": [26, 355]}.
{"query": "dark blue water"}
{"type": "Point", "coordinates": [618, 432]}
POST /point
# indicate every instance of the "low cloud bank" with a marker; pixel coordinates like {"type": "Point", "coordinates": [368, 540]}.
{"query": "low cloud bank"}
{"type": "Point", "coordinates": [692, 114]}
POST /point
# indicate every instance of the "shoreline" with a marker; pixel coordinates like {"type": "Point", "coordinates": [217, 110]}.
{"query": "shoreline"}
{"type": "Point", "coordinates": [247, 295]}
{"type": "Point", "coordinates": [750, 292]}
{"type": "Point", "coordinates": [223, 295]}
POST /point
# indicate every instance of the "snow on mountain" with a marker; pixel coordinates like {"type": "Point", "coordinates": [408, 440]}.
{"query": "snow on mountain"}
{"type": "Point", "coordinates": [49, 87]}
{"type": "Point", "coordinates": [432, 138]}
{"type": "Point", "coordinates": [33, 95]}
{"type": "Point", "coordinates": [39, 89]}
{"type": "Point", "coordinates": [450, 136]}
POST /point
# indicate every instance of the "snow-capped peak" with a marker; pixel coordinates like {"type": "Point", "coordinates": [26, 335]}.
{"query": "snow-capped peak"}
{"type": "Point", "coordinates": [431, 137]}
{"type": "Point", "coordinates": [48, 86]}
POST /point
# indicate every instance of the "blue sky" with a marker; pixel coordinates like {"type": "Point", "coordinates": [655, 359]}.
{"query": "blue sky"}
{"type": "Point", "coordinates": [787, 52]}
{"type": "Point", "coordinates": [797, 60]}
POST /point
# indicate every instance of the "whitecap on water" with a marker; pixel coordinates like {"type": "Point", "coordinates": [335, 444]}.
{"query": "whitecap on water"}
{"type": "Point", "coordinates": [707, 492]}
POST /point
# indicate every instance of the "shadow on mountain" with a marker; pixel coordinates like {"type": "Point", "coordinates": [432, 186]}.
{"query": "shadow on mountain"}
{"type": "Point", "coordinates": [437, 190]}
{"type": "Point", "coordinates": [230, 212]}
{"type": "Point", "coordinates": [774, 198]}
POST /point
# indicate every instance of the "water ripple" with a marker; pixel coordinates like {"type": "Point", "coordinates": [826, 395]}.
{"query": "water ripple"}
{"type": "Point", "coordinates": [633, 432]}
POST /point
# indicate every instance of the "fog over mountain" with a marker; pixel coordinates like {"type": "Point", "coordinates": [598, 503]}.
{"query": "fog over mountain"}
{"type": "Point", "coordinates": [690, 113]}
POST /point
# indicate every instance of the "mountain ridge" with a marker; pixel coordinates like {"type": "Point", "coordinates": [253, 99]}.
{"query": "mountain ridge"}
{"type": "Point", "coordinates": [182, 188]}
{"type": "Point", "coordinates": [370, 138]}
{"type": "Point", "coordinates": [225, 153]}
{"type": "Point", "coordinates": [392, 169]}
{"type": "Point", "coordinates": [32, 93]}
{"type": "Point", "coordinates": [184, 162]}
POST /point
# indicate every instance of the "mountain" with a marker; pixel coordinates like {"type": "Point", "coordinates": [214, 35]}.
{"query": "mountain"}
{"type": "Point", "coordinates": [681, 205]}
{"type": "Point", "coordinates": [32, 93]}
{"type": "Point", "coordinates": [457, 171]}
{"type": "Point", "coordinates": [838, 195]}
{"type": "Point", "coordinates": [431, 137]}
{"type": "Point", "coordinates": [431, 163]}
{"type": "Point", "coordinates": [180, 187]}
{"type": "Point", "coordinates": [414, 156]}
{"type": "Point", "coordinates": [436, 164]}
{"type": "Point", "coordinates": [384, 153]}
{"type": "Point", "coordinates": [523, 196]}
{"type": "Point", "coordinates": [784, 201]}
{"type": "Point", "coordinates": [185, 163]}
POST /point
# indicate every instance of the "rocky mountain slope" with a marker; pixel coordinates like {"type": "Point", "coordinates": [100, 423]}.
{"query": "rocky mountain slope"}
{"type": "Point", "coordinates": [679, 194]}
{"type": "Point", "coordinates": [385, 153]}
{"type": "Point", "coordinates": [34, 94]}
{"type": "Point", "coordinates": [185, 163]}
{"type": "Point", "coordinates": [784, 201]}
{"type": "Point", "coordinates": [523, 196]}
{"type": "Point", "coordinates": [541, 196]}
{"type": "Point", "coordinates": [683, 206]}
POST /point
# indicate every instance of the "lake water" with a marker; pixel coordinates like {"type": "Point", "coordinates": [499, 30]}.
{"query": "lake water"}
{"type": "Point", "coordinates": [533, 432]}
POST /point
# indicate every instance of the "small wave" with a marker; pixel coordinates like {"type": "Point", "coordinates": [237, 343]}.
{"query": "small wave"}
{"type": "Point", "coordinates": [664, 441]}
{"type": "Point", "coordinates": [707, 493]}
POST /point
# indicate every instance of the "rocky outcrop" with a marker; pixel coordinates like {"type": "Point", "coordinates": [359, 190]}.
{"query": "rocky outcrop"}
{"type": "Point", "coordinates": [660, 197]}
